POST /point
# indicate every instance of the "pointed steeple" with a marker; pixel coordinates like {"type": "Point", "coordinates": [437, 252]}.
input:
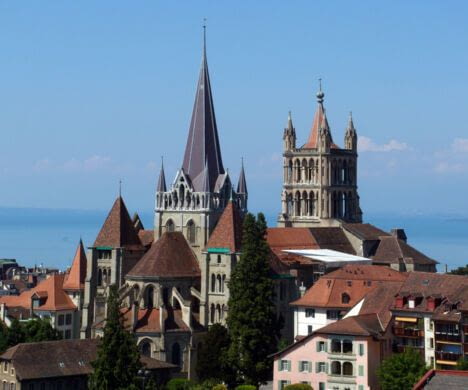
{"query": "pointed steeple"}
{"type": "Point", "coordinates": [290, 126]}
{"type": "Point", "coordinates": [350, 139]}
{"type": "Point", "coordinates": [320, 121]}
{"type": "Point", "coordinates": [75, 278]}
{"type": "Point", "coordinates": [350, 123]}
{"type": "Point", "coordinates": [242, 184]}
{"type": "Point", "coordinates": [162, 179]}
{"type": "Point", "coordinates": [203, 142]}
{"type": "Point", "coordinates": [118, 230]}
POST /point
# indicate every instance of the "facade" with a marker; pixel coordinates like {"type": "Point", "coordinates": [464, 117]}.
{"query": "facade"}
{"type": "Point", "coordinates": [341, 356]}
{"type": "Point", "coordinates": [319, 178]}
{"type": "Point", "coordinates": [336, 293]}
{"type": "Point", "coordinates": [58, 298]}
{"type": "Point", "coordinates": [60, 365]}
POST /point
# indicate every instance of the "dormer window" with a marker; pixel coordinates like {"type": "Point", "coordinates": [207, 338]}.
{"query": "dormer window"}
{"type": "Point", "coordinates": [411, 303]}
{"type": "Point", "coordinates": [345, 298]}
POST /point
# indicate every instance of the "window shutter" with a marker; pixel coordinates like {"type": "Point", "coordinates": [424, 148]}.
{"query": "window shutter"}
{"type": "Point", "coordinates": [326, 346]}
{"type": "Point", "coordinates": [361, 349]}
{"type": "Point", "coordinates": [361, 370]}
{"type": "Point", "coordinates": [289, 365]}
{"type": "Point", "coordinates": [299, 366]}
{"type": "Point", "coordinates": [326, 368]}
{"type": "Point", "coordinates": [317, 344]}
{"type": "Point", "coordinates": [317, 367]}
{"type": "Point", "coordinates": [279, 385]}
{"type": "Point", "coordinates": [310, 367]}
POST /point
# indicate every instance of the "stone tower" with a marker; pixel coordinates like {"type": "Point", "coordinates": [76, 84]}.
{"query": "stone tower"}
{"type": "Point", "coordinates": [202, 188]}
{"type": "Point", "coordinates": [320, 178]}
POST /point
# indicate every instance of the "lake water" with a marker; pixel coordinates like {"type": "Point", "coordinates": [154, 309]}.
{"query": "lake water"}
{"type": "Point", "coordinates": [35, 236]}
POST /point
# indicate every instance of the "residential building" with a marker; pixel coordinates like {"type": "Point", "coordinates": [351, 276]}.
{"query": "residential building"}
{"type": "Point", "coordinates": [443, 380]}
{"type": "Point", "coordinates": [60, 365]}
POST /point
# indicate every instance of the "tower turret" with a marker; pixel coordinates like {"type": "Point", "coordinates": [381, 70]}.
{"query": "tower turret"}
{"type": "Point", "coordinates": [289, 135]}
{"type": "Point", "coordinates": [350, 140]}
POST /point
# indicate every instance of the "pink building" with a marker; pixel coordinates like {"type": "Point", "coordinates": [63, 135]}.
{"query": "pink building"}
{"type": "Point", "coordinates": [345, 354]}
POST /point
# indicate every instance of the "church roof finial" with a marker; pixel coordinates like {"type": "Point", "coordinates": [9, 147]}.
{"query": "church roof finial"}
{"type": "Point", "coordinates": [320, 94]}
{"type": "Point", "coordinates": [242, 183]}
{"type": "Point", "coordinates": [120, 188]}
{"type": "Point", "coordinates": [162, 178]}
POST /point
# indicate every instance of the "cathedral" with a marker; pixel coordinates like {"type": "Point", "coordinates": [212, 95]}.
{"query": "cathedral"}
{"type": "Point", "coordinates": [173, 279]}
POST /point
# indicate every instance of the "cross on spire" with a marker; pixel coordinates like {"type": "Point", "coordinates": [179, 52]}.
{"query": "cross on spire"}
{"type": "Point", "coordinates": [120, 188]}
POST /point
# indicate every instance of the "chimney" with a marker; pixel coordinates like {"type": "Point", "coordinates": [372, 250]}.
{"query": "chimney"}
{"type": "Point", "coordinates": [399, 233]}
{"type": "Point", "coordinates": [399, 302]}
{"type": "Point", "coordinates": [430, 303]}
{"type": "Point", "coordinates": [302, 290]}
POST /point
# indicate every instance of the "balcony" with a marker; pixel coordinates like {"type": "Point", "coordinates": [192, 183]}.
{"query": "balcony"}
{"type": "Point", "coordinates": [407, 332]}
{"type": "Point", "coordinates": [401, 348]}
{"type": "Point", "coordinates": [450, 356]}
{"type": "Point", "coordinates": [451, 337]}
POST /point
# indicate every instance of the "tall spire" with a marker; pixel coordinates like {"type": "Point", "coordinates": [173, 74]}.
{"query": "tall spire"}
{"type": "Point", "coordinates": [290, 124]}
{"type": "Point", "coordinates": [203, 142]}
{"type": "Point", "coordinates": [206, 178]}
{"type": "Point", "coordinates": [320, 120]}
{"type": "Point", "coordinates": [350, 122]}
{"type": "Point", "coordinates": [242, 184]}
{"type": "Point", "coordinates": [162, 179]}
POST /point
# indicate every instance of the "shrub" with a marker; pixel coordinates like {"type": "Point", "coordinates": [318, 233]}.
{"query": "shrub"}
{"type": "Point", "coordinates": [298, 386]}
{"type": "Point", "coordinates": [220, 386]}
{"type": "Point", "coordinates": [246, 387]}
{"type": "Point", "coordinates": [179, 384]}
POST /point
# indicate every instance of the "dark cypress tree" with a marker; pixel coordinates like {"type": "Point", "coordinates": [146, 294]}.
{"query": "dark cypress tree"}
{"type": "Point", "coordinates": [39, 329]}
{"type": "Point", "coordinates": [211, 362]}
{"type": "Point", "coordinates": [118, 358]}
{"type": "Point", "coordinates": [252, 323]}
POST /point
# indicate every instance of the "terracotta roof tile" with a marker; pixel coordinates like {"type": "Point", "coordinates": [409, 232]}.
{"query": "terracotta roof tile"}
{"type": "Point", "coordinates": [118, 230]}
{"type": "Point", "coordinates": [146, 237]}
{"type": "Point", "coordinates": [354, 280]}
{"type": "Point", "coordinates": [228, 230]}
{"type": "Point", "coordinates": [170, 256]}
{"type": "Point", "coordinates": [362, 325]}
{"type": "Point", "coordinates": [50, 289]}
{"type": "Point", "coordinates": [75, 278]}
{"type": "Point", "coordinates": [365, 231]}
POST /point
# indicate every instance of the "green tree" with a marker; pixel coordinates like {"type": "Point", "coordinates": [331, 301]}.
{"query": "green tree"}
{"type": "Point", "coordinates": [39, 329]}
{"type": "Point", "coordinates": [462, 364]}
{"type": "Point", "coordinates": [401, 371]}
{"type": "Point", "coordinates": [118, 359]}
{"type": "Point", "coordinates": [460, 271]}
{"type": "Point", "coordinates": [252, 323]}
{"type": "Point", "coordinates": [211, 363]}
{"type": "Point", "coordinates": [15, 334]}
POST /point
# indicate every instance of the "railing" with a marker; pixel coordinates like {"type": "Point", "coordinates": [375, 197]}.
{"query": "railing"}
{"type": "Point", "coordinates": [402, 348]}
{"type": "Point", "coordinates": [442, 336]}
{"type": "Point", "coordinates": [451, 356]}
{"type": "Point", "coordinates": [407, 332]}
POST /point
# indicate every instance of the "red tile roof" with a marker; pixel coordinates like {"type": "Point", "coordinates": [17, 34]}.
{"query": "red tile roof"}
{"type": "Point", "coordinates": [50, 289]}
{"type": "Point", "coordinates": [75, 278]}
{"type": "Point", "coordinates": [228, 231]}
{"type": "Point", "coordinates": [362, 325]}
{"type": "Point", "coordinates": [146, 237]}
{"type": "Point", "coordinates": [170, 256]}
{"type": "Point", "coordinates": [354, 280]}
{"type": "Point", "coordinates": [365, 231]}
{"type": "Point", "coordinates": [118, 230]}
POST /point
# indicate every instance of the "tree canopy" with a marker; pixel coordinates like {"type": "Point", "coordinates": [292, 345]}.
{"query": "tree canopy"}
{"type": "Point", "coordinates": [402, 370]}
{"type": "Point", "coordinates": [118, 359]}
{"type": "Point", "coordinates": [460, 271]}
{"type": "Point", "coordinates": [252, 323]}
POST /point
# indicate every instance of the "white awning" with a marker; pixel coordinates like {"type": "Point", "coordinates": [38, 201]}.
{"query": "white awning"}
{"type": "Point", "coordinates": [329, 257]}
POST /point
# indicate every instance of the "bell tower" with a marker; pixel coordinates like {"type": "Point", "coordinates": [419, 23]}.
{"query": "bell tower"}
{"type": "Point", "coordinates": [319, 178]}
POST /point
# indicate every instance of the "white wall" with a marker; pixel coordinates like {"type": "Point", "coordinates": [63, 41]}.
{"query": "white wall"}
{"type": "Point", "coordinates": [301, 322]}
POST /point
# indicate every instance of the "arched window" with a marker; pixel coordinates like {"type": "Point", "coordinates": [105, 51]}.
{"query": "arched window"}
{"type": "Point", "coordinates": [347, 369]}
{"type": "Point", "coordinates": [218, 313]}
{"type": "Point", "coordinates": [336, 368]}
{"type": "Point", "coordinates": [149, 297]}
{"type": "Point", "coordinates": [297, 203]}
{"type": "Point", "coordinates": [223, 308]}
{"type": "Point", "coordinates": [218, 279]}
{"type": "Point", "coordinates": [223, 283]}
{"type": "Point", "coordinates": [169, 226]}
{"type": "Point", "coordinates": [213, 283]}
{"type": "Point", "coordinates": [165, 293]}
{"type": "Point", "coordinates": [181, 195]}
{"type": "Point", "coordinates": [99, 277]}
{"type": "Point", "coordinates": [290, 172]}
{"type": "Point", "coordinates": [218, 258]}
{"type": "Point", "coordinates": [104, 276]}
{"type": "Point", "coordinates": [191, 232]}
{"type": "Point", "coordinates": [175, 354]}
{"type": "Point", "coordinates": [345, 298]}
{"type": "Point", "coordinates": [145, 348]}
{"type": "Point", "coordinates": [109, 280]}
{"type": "Point", "coordinates": [212, 313]}
{"type": "Point", "coordinates": [336, 346]}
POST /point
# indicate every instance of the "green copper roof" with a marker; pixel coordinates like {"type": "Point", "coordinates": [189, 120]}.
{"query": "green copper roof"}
{"type": "Point", "coordinates": [219, 250]}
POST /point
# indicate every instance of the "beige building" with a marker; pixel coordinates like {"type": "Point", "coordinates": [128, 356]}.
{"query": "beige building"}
{"type": "Point", "coordinates": [319, 177]}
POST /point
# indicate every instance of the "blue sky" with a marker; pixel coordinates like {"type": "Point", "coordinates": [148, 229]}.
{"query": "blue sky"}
{"type": "Point", "coordinates": [91, 92]}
